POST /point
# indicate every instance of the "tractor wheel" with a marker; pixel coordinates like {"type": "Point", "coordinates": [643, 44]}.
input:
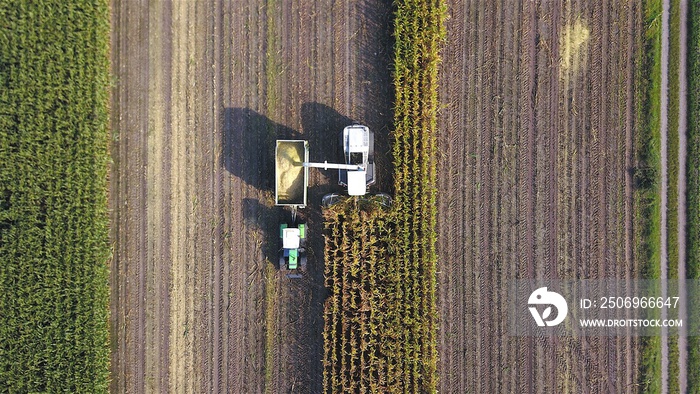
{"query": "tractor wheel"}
{"type": "Point", "coordinates": [283, 263]}
{"type": "Point", "coordinates": [302, 263]}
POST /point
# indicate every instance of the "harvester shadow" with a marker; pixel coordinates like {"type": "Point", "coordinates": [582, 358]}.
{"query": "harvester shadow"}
{"type": "Point", "coordinates": [322, 127]}
{"type": "Point", "coordinates": [248, 146]}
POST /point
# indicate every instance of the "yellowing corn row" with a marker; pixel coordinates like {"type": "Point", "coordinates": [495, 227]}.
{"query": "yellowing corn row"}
{"type": "Point", "coordinates": [381, 316]}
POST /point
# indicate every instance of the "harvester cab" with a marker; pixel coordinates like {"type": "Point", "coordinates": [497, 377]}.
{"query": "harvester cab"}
{"type": "Point", "coordinates": [358, 149]}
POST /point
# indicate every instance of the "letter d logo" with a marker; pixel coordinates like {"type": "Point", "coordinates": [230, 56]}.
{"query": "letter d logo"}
{"type": "Point", "coordinates": [543, 297]}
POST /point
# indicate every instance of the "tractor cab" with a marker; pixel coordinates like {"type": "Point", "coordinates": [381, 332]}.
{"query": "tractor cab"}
{"type": "Point", "coordinates": [293, 253]}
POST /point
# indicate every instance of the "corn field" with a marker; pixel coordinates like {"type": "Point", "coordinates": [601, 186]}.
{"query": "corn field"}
{"type": "Point", "coordinates": [54, 79]}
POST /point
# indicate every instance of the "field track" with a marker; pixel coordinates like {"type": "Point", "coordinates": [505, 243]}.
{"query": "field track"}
{"type": "Point", "coordinates": [202, 90]}
{"type": "Point", "coordinates": [534, 182]}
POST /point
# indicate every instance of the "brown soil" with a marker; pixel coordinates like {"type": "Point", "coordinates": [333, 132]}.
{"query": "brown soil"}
{"type": "Point", "coordinates": [534, 182]}
{"type": "Point", "coordinates": [202, 90]}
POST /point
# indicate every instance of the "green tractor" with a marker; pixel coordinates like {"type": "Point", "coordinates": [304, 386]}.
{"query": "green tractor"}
{"type": "Point", "coordinates": [292, 257]}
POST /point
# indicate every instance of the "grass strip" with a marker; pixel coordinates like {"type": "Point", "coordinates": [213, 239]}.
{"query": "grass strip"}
{"type": "Point", "coordinates": [672, 205]}
{"type": "Point", "coordinates": [270, 278]}
{"type": "Point", "coordinates": [54, 79]}
{"type": "Point", "coordinates": [648, 182]}
{"type": "Point", "coordinates": [693, 185]}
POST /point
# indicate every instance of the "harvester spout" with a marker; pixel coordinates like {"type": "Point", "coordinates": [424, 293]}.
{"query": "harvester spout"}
{"type": "Point", "coordinates": [326, 165]}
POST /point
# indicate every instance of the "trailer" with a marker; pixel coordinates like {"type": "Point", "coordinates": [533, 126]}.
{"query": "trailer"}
{"type": "Point", "coordinates": [291, 176]}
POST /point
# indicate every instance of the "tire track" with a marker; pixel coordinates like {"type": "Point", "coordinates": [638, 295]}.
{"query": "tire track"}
{"type": "Point", "coordinates": [198, 62]}
{"type": "Point", "coordinates": [179, 318]}
{"type": "Point", "coordinates": [213, 125]}
{"type": "Point", "coordinates": [450, 226]}
{"type": "Point", "coordinates": [165, 266]}
{"type": "Point", "coordinates": [136, 193]}
{"type": "Point", "coordinates": [605, 366]}
{"type": "Point", "coordinates": [131, 251]}
{"type": "Point", "coordinates": [249, 29]}
{"type": "Point", "coordinates": [630, 344]}
{"type": "Point", "coordinates": [552, 185]}
{"type": "Point", "coordinates": [682, 153]}
{"type": "Point", "coordinates": [484, 184]}
{"type": "Point", "coordinates": [471, 199]}
{"type": "Point", "coordinates": [530, 84]}
{"type": "Point", "coordinates": [512, 143]}
{"type": "Point", "coordinates": [664, 187]}
{"type": "Point", "coordinates": [117, 201]}
{"type": "Point", "coordinates": [157, 271]}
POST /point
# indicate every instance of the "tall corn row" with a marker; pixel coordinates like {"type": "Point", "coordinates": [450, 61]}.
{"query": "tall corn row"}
{"type": "Point", "coordinates": [381, 316]}
{"type": "Point", "coordinates": [419, 33]}
{"type": "Point", "coordinates": [356, 244]}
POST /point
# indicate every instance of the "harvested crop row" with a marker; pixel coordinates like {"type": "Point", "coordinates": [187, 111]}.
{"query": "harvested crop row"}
{"type": "Point", "coordinates": [54, 78]}
{"type": "Point", "coordinates": [381, 317]}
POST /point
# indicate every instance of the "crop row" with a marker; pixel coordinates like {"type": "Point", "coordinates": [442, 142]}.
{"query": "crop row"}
{"type": "Point", "coordinates": [419, 35]}
{"type": "Point", "coordinates": [54, 78]}
{"type": "Point", "coordinates": [381, 315]}
{"type": "Point", "coordinates": [363, 325]}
